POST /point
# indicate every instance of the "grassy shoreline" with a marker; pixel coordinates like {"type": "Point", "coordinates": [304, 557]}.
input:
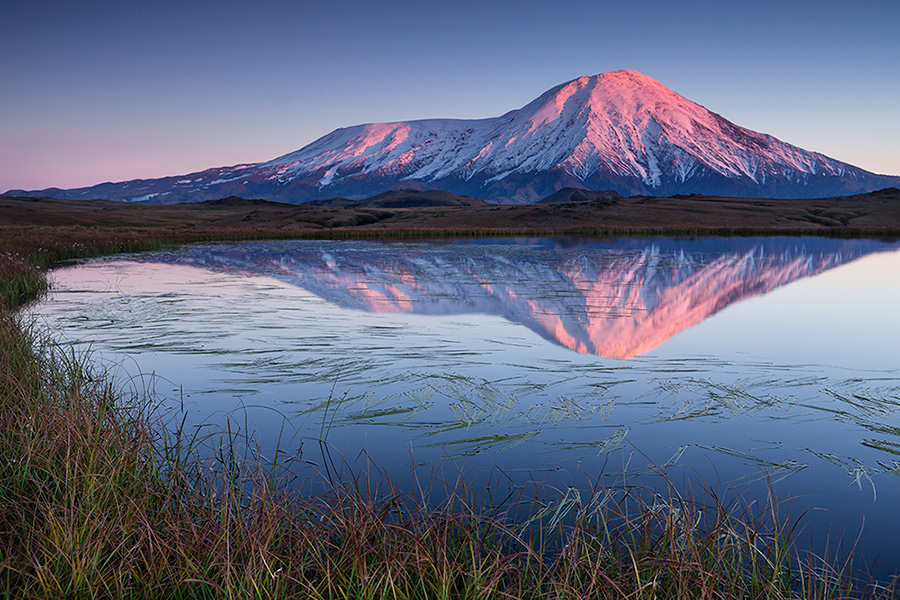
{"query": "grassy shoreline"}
{"type": "Point", "coordinates": [96, 503]}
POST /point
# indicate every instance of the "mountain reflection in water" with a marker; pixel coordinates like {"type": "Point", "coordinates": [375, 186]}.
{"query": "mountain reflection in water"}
{"type": "Point", "coordinates": [617, 299]}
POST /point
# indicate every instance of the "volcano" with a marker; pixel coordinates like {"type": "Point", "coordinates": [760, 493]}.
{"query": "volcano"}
{"type": "Point", "coordinates": [619, 131]}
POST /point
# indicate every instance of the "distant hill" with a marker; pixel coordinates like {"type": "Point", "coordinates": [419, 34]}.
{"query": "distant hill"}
{"type": "Point", "coordinates": [238, 202]}
{"type": "Point", "coordinates": [871, 214]}
{"type": "Point", "coordinates": [578, 195]}
{"type": "Point", "coordinates": [402, 199]}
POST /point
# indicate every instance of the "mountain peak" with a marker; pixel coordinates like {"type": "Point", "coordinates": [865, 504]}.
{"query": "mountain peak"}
{"type": "Point", "coordinates": [621, 75]}
{"type": "Point", "coordinates": [619, 130]}
{"type": "Point", "coordinates": [625, 92]}
{"type": "Point", "coordinates": [623, 82]}
{"type": "Point", "coordinates": [614, 84]}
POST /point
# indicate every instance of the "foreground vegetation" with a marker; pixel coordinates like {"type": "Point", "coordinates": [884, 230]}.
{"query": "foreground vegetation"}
{"type": "Point", "coordinates": [98, 500]}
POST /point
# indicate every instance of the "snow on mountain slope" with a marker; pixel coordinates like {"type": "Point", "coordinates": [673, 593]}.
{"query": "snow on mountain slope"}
{"type": "Point", "coordinates": [619, 130]}
{"type": "Point", "coordinates": [621, 122]}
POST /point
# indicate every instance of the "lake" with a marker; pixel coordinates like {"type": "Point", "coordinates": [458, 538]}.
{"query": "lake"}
{"type": "Point", "coordinates": [740, 364]}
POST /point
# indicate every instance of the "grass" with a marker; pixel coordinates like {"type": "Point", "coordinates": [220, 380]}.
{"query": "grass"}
{"type": "Point", "coordinates": [20, 281]}
{"type": "Point", "coordinates": [100, 499]}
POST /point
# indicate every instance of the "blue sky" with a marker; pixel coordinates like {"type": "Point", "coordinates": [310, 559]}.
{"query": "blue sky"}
{"type": "Point", "coordinates": [97, 91]}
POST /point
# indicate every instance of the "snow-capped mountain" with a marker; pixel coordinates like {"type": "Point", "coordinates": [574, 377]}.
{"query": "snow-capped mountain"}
{"type": "Point", "coordinates": [618, 131]}
{"type": "Point", "coordinates": [618, 300]}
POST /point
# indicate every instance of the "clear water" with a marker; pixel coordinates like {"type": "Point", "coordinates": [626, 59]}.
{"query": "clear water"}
{"type": "Point", "coordinates": [736, 363]}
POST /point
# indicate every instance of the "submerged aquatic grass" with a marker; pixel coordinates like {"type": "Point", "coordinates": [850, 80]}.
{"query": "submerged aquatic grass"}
{"type": "Point", "coordinates": [102, 499]}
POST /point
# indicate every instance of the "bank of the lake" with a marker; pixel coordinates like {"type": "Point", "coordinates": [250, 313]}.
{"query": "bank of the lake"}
{"type": "Point", "coordinates": [99, 502]}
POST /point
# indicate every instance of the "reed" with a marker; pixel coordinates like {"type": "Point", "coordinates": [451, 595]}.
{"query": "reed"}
{"type": "Point", "coordinates": [101, 496]}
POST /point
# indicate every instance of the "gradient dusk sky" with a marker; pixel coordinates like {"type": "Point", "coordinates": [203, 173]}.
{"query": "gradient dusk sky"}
{"type": "Point", "coordinates": [96, 91]}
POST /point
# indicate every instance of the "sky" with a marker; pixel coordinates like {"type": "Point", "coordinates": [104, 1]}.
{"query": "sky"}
{"type": "Point", "coordinates": [102, 90]}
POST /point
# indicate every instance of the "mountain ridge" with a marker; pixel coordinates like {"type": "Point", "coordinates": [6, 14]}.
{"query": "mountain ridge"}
{"type": "Point", "coordinates": [620, 131]}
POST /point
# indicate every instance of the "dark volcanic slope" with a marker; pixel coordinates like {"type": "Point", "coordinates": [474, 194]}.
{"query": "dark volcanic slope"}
{"type": "Point", "coordinates": [403, 199]}
{"type": "Point", "coordinates": [618, 131]}
{"type": "Point", "coordinates": [578, 195]}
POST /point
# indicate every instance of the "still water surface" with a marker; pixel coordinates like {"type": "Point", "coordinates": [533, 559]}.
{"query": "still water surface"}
{"type": "Point", "coordinates": [732, 362]}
